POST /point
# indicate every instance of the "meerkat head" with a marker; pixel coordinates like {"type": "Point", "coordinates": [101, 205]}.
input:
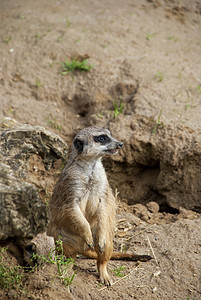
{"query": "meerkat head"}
{"type": "Point", "coordinates": [94, 142]}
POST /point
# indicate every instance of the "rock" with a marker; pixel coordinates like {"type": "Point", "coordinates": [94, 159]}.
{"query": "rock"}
{"type": "Point", "coordinates": [12, 294]}
{"type": "Point", "coordinates": [153, 207]}
{"type": "Point", "coordinates": [44, 244]}
{"type": "Point", "coordinates": [187, 214]}
{"type": "Point", "coordinates": [23, 214]}
{"type": "Point", "coordinates": [140, 211]}
{"type": "Point", "coordinates": [7, 122]}
{"type": "Point", "coordinates": [18, 143]}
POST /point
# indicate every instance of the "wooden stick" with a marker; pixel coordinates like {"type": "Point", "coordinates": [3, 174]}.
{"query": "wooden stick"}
{"type": "Point", "coordinates": [152, 250]}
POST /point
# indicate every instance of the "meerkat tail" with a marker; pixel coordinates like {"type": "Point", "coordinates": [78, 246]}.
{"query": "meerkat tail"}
{"type": "Point", "coordinates": [130, 257]}
{"type": "Point", "coordinates": [119, 256]}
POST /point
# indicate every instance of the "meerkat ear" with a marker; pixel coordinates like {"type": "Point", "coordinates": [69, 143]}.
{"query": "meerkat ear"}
{"type": "Point", "coordinates": [78, 145]}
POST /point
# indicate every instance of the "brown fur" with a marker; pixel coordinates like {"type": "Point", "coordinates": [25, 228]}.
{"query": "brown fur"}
{"type": "Point", "coordinates": [83, 208]}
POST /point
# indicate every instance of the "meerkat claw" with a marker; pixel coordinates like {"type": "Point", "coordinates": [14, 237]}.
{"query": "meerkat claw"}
{"type": "Point", "coordinates": [101, 246]}
{"type": "Point", "coordinates": [91, 245]}
{"type": "Point", "coordinates": [101, 249]}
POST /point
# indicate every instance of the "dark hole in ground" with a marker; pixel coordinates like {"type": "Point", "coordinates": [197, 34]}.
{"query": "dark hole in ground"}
{"type": "Point", "coordinates": [82, 105]}
{"type": "Point", "coordinates": [197, 209]}
{"type": "Point", "coordinates": [165, 207]}
{"type": "Point", "coordinates": [83, 114]}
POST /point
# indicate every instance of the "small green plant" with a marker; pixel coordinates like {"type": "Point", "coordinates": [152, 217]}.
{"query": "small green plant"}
{"type": "Point", "coordinates": [7, 39]}
{"type": "Point", "coordinates": [124, 249]}
{"type": "Point", "coordinates": [118, 271]}
{"type": "Point", "coordinates": [150, 35]}
{"type": "Point", "coordinates": [118, 107]}
{"type": "Point", "coordinates": [99, 115]}
{"type": "Point", "coordinates": [60, 39]}
{"type": "Point", "coordinates": [22, 17]}
{"type": "Point", "coordinates": [178, 112]}
{"type": "Point", "coordinates": [77, 41]}
{"type": "Point", "coordinates": [68, 23]}
{"type": "Point", "coordinates": [187, 105]}
{"type": "Point", "coordinates": [64, 265]}
{"type": "Point", "coordinates": [73, 65]}
{"type": "Point", "coordinates": [158, 123]}
{"type": "Point", "coordinates": [10, 276]}
{"type": "Point", "coordinates": [198, 88]}
{"type": "Point", "coordinates": [107, 43]}
{"type": "Point", "coordinates": [37, 36]}
{"type": "Point", "coordinates": [180, 75]}
{"type": "Point", "coordinates": [159, 76]}
{"type": "Point", "coordinates": [190, 103]}
{"type": "Point", "coordinates": [38, 83]}
{"type": "Point", "coordinates": [54, 124]}
{"type": "Point", "coordinates": [62, 166]}
{"type": "Point", "coordinates": [173, 38]}
{"type": "Point", "coordinates": [11, 111]}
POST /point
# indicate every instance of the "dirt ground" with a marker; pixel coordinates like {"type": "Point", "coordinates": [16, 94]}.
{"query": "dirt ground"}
{"type": "Point", "coordinates": [146, 53]}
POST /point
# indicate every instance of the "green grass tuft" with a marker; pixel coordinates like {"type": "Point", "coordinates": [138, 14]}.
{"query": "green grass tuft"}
{"type": "Point", "coordinates": [38, 83]}
{"type": "Point", "coordinates": [150, 35]}
{"type": "Point", "coordinates": [118, 271]}
{"type": "Point", "coordinates": [118, 107]}
{"type": "Point", "coordinates": [10, 276]}
{"type": "Point", "coordinates": [7, 39]}
{"type": "Point", "coordinates": [54, 124]}
{"type": "Point", "coordinates": [159, 76]}
{"type": "Point", "coordinates": [158, 123]}
{"type": "Point", "coordinates": [75, 65]}
{"type": "Point", "coordinates": [64, 265]}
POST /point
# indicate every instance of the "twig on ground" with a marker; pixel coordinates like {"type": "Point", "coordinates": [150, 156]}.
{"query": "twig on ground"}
{"type": "Point", "coordinates": [131, 237]}
{"type": "Point", "coordinates": [152, 250]}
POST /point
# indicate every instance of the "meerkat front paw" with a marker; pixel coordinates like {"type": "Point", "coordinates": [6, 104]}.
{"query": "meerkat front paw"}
{"type": "Point", "coordinates": [87, 237]}
{"type": "Point", "coordinates": [101, 244]}
{"type": "Point", "coordinates": [89, 241]}
{"type": "Point", "coordinates": [90, 244]}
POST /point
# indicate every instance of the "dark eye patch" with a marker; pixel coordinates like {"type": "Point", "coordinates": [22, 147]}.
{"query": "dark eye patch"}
{"type": "Point", "coordinates": [78, 145]}
{"type": "Point", "coordinates": [103, 139]}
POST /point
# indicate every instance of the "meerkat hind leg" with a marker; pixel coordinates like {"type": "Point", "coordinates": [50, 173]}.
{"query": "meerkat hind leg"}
{"type": "Point", "coordinates": [69, 251]}
{"type": "Point", "coordinates": [103, 274]}
{"type": "Point", "coordinates": [102, 261]}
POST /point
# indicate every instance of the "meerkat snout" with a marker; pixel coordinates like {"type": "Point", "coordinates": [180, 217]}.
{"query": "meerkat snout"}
{"type": "Point", "coordinates": [120, 145]}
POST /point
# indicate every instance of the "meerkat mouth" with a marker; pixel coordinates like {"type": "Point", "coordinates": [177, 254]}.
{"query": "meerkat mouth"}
{"type": "Point", "coordinates": [112, 151]}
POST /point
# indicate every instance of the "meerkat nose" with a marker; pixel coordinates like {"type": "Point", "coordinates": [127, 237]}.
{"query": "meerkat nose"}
{"type": "Point", "coordinates": [120, 144]}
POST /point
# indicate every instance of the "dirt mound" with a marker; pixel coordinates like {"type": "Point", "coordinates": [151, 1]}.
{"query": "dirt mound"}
{"type": "Point", "coordinates": [157, 163]}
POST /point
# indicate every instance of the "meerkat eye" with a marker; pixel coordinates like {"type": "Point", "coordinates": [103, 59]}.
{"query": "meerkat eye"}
{"type": "Point", "coordinates": [103, 139]}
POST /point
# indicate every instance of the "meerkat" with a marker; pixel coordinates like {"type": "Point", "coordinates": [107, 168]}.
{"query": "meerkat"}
{"type": "Point", "coordinates": [83, 208]}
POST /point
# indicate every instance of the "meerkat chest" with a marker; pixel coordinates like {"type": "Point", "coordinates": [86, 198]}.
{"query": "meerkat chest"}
{"type": "Point", "coordinates": [94, 187]}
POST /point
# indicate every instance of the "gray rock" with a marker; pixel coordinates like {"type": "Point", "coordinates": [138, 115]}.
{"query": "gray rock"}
{"type": "Point", "coordinates": [18, 143]}
{"type": "Point", "coordinates": [153, 207]}
{"type": "Point", "coordinates": [23, 214]}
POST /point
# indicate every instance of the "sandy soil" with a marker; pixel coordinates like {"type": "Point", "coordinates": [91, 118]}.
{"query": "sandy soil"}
{"type": "Point", "coordinates": [146, 53]}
